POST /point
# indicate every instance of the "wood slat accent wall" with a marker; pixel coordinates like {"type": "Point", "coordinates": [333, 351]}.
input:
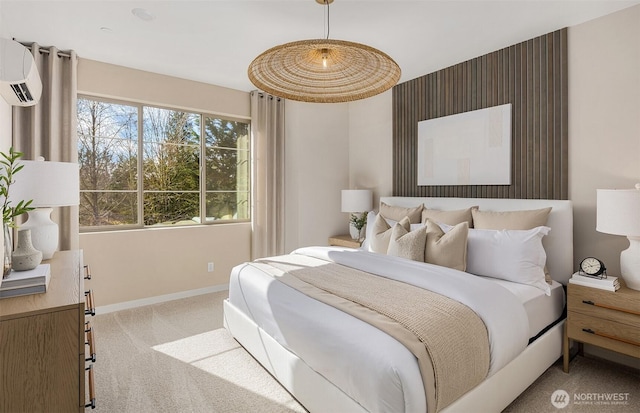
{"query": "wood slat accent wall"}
{"type": "Point", "coordinates": [532, 76]}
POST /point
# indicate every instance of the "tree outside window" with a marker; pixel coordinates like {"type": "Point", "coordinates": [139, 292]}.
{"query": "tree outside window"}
{"type": "Point", "coordinates": [185, 179]}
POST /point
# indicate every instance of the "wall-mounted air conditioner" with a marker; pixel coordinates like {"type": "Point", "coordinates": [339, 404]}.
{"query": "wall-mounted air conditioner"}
{"type": "Point", "coordinates": [20, 83]}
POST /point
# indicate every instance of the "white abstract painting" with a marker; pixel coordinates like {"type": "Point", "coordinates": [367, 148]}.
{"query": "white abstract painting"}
{"type": "Point", "coordinates": [470, 148]}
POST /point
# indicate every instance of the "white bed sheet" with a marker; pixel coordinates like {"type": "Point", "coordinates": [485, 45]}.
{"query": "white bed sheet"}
{"type": "Point", "coordinates": [316, 333]}
{"type": "Point", "coordinates": [542, 310]}
{"type": "Point", "coordinates": [338, 346]}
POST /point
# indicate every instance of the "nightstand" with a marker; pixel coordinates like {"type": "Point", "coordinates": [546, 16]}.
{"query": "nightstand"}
{"type": "Point", "coordinates": [603, 318]}
{"type": "Point", "coordinates": [344, 241]}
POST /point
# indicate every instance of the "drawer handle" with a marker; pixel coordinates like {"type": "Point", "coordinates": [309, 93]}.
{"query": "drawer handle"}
{"type": "Point", "coordinates": [92, 396]}
{"type": "Point", "coordinates": [90, 310]}
{"type": "Point", "coordinates": [610, 307]}
{"type": "Point", "coordinates": [90, 342]}
{"type": "Point", "coordinates": [624, 340]}
{"type": "Point", "coordinates": [87, 272]}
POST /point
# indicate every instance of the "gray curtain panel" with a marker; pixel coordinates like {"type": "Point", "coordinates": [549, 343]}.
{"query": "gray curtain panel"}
{"type": "Point", "coordinates": [267, 137]}
{"type": "Point", "coordinates": [48, 129]}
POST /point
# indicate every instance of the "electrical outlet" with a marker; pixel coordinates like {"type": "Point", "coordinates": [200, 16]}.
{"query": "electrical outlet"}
{"type": "Point", "coordinates": [210, 267]}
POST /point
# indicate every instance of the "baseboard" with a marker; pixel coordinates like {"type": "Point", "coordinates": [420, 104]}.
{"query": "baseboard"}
{"type": "Point", "coordinates": [160, 299]}
{"type": "Point", "coordinates": [628, 362]}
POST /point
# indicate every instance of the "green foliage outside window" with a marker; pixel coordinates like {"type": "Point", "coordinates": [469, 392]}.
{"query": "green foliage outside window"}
{"type": "Point", "coordinates": [181, 173]}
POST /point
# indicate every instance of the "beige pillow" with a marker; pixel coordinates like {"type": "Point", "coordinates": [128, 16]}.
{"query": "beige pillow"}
{"type": "Point", "coordinates": [396, 213]}
{"type": "Point", "coordinates": [448, 217]}
{"type": "Point", "coordinates": [407, 244]}
{"type": "Point", "coordinates": [447, 250]}
{"type": "Point", "coordinates": [523, 220]}
{"type": "Point", "coordinates": [381, 234]}
{"type": "Point", "coordinates": [510, 219]}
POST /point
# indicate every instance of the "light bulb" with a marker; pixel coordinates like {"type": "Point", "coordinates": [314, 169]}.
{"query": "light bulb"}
{"type": "Point", "coordinates": [324, 57]}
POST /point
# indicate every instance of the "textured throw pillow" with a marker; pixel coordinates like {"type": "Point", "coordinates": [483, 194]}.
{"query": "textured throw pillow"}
{"type": "Point", "coordinates": [510, 219]}
{"type": "Point", "coordinates": [512, 255]}
{"type": "Point", "coordinates": [526, 219]}
{"type": "Point", "coordinates": [407, 244]}
{"type": "Point", "coordinates": [447, 249]}
{"type": "Point", "coordinates": [449, 217]}
{"type": "Point", "coordinates": [396, 213]}
{"type": "Point", "coordinates": [381, 234]}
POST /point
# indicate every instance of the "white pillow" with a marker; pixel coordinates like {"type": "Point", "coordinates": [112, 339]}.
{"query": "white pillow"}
{"type": "Point", "coordinates": [512, 255]}
{"type": "Point", "coordinates": [371, 218]}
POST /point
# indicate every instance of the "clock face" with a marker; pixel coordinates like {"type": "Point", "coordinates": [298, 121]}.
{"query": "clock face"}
{"type": "Point", "coordinates": [591, 266]}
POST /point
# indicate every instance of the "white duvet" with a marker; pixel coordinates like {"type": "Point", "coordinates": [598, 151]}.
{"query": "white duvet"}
{"type": "Point", "coordinates": [368, 365]}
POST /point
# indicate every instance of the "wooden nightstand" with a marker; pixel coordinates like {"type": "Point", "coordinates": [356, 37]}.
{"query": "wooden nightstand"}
{"type": "Point", "coordinates": [603, 318]}
{"type": "Point", "coordinates": [344, 241]}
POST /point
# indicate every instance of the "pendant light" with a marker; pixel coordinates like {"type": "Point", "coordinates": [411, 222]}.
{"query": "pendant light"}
{"type": "Point", "coordinates": [323, 70]}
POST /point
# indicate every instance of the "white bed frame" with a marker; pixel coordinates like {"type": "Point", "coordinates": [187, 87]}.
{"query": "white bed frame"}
{"type": "Point", "coordinates": [317, 394]}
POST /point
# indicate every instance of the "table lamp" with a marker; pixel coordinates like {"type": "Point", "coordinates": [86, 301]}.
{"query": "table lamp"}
{"type": "Point", "coordinates": [356, 201]}
{"type": "Point", "coordinates": [49, 185]}
{"type": "Point", "coordinates": [618, 212]}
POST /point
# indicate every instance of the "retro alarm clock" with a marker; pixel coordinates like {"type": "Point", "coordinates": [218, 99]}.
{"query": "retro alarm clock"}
{"type": "Point", "coordinates": [593, 267]}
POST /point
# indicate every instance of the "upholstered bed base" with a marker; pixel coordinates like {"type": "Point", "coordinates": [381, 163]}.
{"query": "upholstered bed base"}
{"type": "Point", "coordinates": [319, 395]}
{"type": "Point", "coordinates": [492, 395]}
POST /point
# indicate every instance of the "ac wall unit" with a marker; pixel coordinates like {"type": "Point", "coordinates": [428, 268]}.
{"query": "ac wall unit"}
{"type": "Point", "coordinates": [20, 83]}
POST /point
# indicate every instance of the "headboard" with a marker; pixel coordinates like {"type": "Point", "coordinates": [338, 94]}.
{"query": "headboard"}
{"type": "Point", "coordinates": [558, 244]}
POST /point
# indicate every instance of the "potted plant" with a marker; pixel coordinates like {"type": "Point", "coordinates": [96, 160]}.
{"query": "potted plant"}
{"type": "Point", "coordinates": [358, 221]}
{"type": "Point", "coordinates": [9, 167]}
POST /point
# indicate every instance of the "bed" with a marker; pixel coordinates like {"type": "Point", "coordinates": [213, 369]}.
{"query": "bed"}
{"type": "Point", "coordinates": [331, 360]}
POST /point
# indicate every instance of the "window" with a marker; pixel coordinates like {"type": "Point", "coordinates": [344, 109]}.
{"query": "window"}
{"type": "Point", "coordinates": [149, 166]}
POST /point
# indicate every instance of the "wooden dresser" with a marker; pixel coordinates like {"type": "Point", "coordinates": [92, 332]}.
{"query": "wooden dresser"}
{"type": "Point", "coordinates": [43, 341]}
{"type": "Point", "coordinates": [603, 318]}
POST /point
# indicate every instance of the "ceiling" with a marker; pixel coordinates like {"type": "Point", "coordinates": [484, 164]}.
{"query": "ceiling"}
{"type": "Point", "coordinates": [214, 41]}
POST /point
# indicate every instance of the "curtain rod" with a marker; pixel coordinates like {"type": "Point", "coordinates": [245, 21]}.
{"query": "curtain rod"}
{"type": "Point", "coordinates": [44, 51]}
{"type": "Point", "coordinates": [60, 54]}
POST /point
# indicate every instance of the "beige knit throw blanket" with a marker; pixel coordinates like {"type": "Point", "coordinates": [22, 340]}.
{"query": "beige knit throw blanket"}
{"type": "Point", "coordinates": [448, 339]}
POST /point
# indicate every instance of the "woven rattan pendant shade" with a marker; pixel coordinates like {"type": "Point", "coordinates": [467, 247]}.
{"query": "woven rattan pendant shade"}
{"type": "Point", "coordinates": [323, 71]}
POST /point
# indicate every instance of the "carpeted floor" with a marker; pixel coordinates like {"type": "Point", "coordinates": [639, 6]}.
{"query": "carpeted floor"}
{"type": "Point", "coordinates": [177, 357]}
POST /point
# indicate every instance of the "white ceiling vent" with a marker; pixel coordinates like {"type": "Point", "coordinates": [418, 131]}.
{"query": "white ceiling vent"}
{"type": "Point", "coordinates": [20, 83]}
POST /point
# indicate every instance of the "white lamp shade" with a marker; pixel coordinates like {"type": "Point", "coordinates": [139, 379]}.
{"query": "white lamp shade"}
{"type": "Point", "coordinates": [48, 184]}
{"type": "Point", "coordinates": [618, 212]}
{"type": "Point", "coordinates": [356, 200]}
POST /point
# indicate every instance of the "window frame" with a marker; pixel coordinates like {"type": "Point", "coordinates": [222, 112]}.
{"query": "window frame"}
{"type": "Point", "coordinates": [202, 192]}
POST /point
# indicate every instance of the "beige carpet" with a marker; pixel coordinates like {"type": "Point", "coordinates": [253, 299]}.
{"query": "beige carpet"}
{"type": "Point", "coordinates": [177, 357]}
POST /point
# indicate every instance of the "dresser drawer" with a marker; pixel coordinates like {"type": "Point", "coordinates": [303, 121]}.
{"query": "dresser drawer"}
{"type": "Point", "coordinates": [604, 333]}
{"type": "Point", "coordinates": [614, 306]}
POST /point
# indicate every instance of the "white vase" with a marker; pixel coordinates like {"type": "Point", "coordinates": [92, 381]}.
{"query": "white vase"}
{"type": "Point", "coordinates": [25, 257]}
{"type": "Point", "coordinates": [353, 232]}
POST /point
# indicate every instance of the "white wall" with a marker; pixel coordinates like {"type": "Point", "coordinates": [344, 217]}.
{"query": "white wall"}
{"type": "Point", "coordinates": [316, 169]}
{"type": "Point", "coordinates": [604, 123]}
{"type": "Point", "coordinates": [370, 145]}
{"type": "Point", "coordinates": [136, 265]}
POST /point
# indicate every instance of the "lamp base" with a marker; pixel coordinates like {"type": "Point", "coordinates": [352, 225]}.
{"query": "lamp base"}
{"type": "Point", "coordinates": [355, 234]}
{"type": "Point", "coordinates": [44, 232]}
{"type": "Point", "coordinates": [630, 264]}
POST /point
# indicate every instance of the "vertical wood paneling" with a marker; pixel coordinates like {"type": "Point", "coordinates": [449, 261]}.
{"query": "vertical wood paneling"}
{"type": "Point", "coordinates": [532, 76]}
